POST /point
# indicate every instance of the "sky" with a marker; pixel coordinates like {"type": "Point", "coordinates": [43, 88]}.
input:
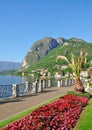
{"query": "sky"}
{"type": "Point", "coordinates": [22, 22]}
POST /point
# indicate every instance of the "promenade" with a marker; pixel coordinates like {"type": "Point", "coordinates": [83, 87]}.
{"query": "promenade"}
{"type": "Point", "coordinates": [14, 106]}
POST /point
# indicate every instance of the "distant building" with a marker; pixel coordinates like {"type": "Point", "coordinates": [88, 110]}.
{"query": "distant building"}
{"type": "Point", "coordinates": [64, 66]}
{"type": "Point", "coordinates": [57, 76]}
{"type": "Point", "coordinates": [85, 74]}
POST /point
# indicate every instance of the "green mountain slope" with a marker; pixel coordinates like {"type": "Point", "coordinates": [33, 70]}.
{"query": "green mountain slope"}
{"type": "Point", "coordinates": [69, 46]}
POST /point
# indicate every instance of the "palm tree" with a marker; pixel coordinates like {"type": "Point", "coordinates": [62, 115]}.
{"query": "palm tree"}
{"type": "Point", "coordinates": [76, 65]}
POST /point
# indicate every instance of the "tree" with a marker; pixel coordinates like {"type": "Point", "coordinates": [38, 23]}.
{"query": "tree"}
{"type": "Point", "coordinates": [76, 65]}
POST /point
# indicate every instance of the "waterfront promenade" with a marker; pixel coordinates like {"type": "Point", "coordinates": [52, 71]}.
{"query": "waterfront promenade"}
{"type": "Point", "coordinates": [14, 106]}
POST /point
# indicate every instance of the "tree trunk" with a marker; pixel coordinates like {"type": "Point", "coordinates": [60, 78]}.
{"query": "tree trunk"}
{"type": "Point", "coordinates": [78, 86]}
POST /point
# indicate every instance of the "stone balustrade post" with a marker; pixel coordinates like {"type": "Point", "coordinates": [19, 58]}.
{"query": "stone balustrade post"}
{"type": "Point", "coordinates": [40, 86]}
{"type": "Point", "coordinates": [58, 83]}
{"type": "Point", "coordinates": [66, 82]}
{"type": "Point", "coordinates": [35, 87]}
{"type": "Point", "coordinates": [15, 90]}
{"type": "Point", "coordinates": [26, 86]}
{"type": "Point", "coordinates": [61, 83]}
{"type": "Point", "coordinates": [49, 83]}
{"type": "Point", "coordinates": [70, 82]}
{"type": "Point", "coordinates": [44, 83]}
{"type": "Point", "coordinates": [73, 81]}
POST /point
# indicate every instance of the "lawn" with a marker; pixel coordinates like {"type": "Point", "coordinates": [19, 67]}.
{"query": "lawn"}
{"type": "Point", "coordinates": [85, 121]}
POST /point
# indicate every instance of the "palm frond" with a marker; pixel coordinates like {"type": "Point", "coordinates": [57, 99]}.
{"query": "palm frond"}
{"type": "Point", "coordinates": [63, 58]}
{"type": "Point", "coordinates": [72, 59]}
{"type": "Point", "coordinates": [76, 63]}
{"type": "Point", "coordinates": [81, 53]}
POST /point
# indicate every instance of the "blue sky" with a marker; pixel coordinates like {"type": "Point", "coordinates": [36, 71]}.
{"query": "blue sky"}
{"type": "Point", "coordinates": [22, 22]}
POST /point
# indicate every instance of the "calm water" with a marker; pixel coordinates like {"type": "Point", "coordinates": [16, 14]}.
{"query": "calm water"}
{"type": "Point", "coordinates": [6, 80]}
{"type": "Point", "coordinates": [6, 84]}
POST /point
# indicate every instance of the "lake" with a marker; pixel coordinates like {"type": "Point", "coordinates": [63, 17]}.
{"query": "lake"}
{"type": "Point", "coordinates": [6, 84]}
{"type": "Point", "coordinates": [7, 80]}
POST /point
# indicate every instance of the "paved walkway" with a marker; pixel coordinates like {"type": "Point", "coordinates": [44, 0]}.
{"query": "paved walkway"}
{"type": "Point", "coordinates": [10, 107]}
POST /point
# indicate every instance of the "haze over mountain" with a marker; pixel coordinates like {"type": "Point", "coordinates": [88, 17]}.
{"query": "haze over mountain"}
{"type": "Point", "coordinates": [6, 65]}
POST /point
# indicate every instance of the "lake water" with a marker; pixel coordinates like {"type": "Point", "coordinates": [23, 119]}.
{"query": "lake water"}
{"type": "Point", "coordinates": [7, 80]}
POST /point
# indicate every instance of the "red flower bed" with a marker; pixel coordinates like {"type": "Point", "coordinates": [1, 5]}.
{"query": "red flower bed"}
{"type": "Point", "coordinates": [59, 115]}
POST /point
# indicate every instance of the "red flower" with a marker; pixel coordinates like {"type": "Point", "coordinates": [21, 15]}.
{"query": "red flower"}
{"type": "Point", "coordinates": [62, 114]}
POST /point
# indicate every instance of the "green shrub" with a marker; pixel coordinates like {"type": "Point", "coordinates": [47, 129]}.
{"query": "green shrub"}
{"type": "Point", "coordinates": [85, 94]}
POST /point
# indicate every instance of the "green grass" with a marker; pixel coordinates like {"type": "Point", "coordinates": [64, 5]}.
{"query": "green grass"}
{"type": "Point", "coordinates": [24, 113]}
{"type": "Point", "coordinates": [85, 94]}
{"type": "Point", "coordinates": [85, 121]}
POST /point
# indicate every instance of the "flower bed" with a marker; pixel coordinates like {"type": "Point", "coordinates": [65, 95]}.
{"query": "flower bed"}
{"type": "Point", "coordinates": [62, 114]}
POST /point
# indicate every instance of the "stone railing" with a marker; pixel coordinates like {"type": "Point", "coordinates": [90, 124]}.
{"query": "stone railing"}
{"type": "Point", "coordinates": [65, 82]}
{"type": "Point", "coordinates": [5, 91]}
{"type": "Point", "coordinates": [27, 88]}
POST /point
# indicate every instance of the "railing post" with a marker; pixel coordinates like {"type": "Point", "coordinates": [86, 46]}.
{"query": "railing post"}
{"type": "Point", "coordinates": [61, 83]}
{"type": "Point", "coordinates": [66, 82]}
{"type": "Point", "coordinates": [43, 83]}
{"type": "Point", "coordinates": [73, 81]}
{"type": "Point", "coordinates": [58, 83]}
{"type": "Point", "coordinates": [15, 90]}
{"type": "Point", "coordinates": [70, 82]}
{"type": "Point", "coordinates": [49, 83]}
{"type": "Point", "coordinates": [35, 87]}
{"type": "Point", "coordinates": [40, 86]}
{"type": "Point", "coordinates": [26, 86]}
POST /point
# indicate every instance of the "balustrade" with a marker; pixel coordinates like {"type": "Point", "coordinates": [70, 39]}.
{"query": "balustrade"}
{"type": "Point", "coordinates": [26, 88]}
{"type": "Point", "coordinates": [5, 91]}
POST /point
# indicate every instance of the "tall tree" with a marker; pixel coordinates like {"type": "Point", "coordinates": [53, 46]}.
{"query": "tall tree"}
{"type": "Point", "coordinates": [76, 65]}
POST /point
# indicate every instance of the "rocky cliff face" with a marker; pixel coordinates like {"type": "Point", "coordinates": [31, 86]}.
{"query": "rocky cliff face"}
{"type": "Point", "coordinates": [40, 49]}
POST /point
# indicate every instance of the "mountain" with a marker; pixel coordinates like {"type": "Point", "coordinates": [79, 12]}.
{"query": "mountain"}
{"type": "Point", "coordinates": [6, 65]}
{"type": "Point", "coordinates": [37, 58]}
{"type": "Point", "coordinates": [39, 50]}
